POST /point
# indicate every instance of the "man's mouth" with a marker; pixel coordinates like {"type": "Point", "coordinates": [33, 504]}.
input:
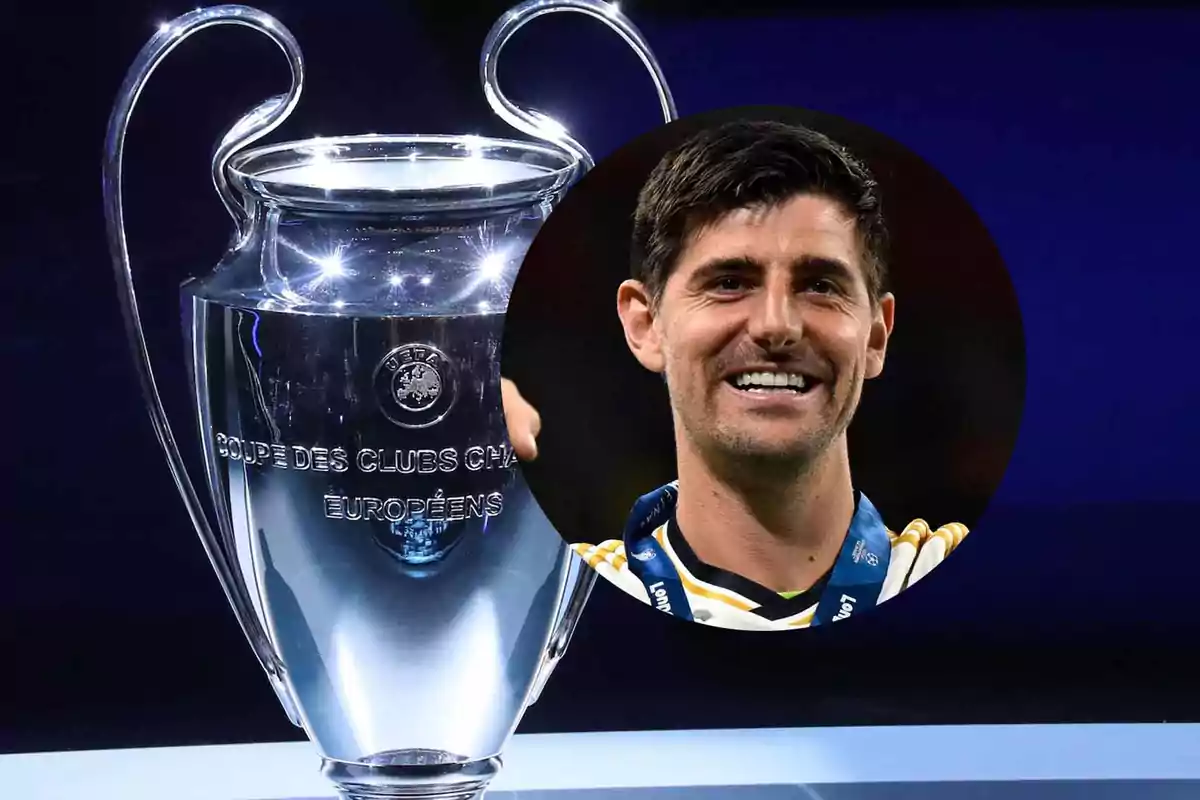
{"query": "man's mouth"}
{"type": "Point", "coordinates": [765, 382]}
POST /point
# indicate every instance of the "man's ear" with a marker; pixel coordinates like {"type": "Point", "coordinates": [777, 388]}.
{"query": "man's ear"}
{"type": "Point", "coordinates": [635, 309]}
{"type": "Point", "coordinates": [884, 317]}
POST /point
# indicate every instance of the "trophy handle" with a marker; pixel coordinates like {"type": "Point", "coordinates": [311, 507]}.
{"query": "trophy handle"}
{"type": "Point", "coordinates": [252, 125]}
{"type": "Point", "coordinates": [580, 577]}
{"type": "Point", "coordinates": [535, 123]}
{"type": "Point", "coordinates": [257, 123]}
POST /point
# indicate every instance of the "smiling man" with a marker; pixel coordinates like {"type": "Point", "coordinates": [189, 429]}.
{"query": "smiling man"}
{"type": "Point", "coordinates": [758, 294]}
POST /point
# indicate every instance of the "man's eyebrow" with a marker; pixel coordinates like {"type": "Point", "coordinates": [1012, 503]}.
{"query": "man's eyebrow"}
{"type": "Point", "coordinates": [725, 264]}
{"type": "Point", "coordinates": [812, 266]}
{"type": "Point", "coordinates": [824, 267]}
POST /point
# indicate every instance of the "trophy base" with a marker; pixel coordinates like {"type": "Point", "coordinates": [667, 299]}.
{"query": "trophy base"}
{"type": "Point", "coordinates": [412, 775]}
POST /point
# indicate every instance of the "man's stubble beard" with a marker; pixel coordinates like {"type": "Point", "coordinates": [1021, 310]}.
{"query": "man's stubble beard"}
{"type": "Point", "coordinates": [737, 457]}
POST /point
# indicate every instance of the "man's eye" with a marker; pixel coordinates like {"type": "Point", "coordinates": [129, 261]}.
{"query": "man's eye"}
{"type": "Point", "coordinates": [729, 283]}
{"type": "Point", "coordinates": [822, 286]}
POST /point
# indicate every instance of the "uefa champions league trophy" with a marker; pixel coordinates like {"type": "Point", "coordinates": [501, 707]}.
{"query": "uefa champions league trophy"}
{"type": "Point", "coordinates": [369, 524]}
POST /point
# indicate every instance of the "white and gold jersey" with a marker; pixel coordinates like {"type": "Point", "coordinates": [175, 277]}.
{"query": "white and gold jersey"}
{"type": "Point", "coordinates": [726, 600]}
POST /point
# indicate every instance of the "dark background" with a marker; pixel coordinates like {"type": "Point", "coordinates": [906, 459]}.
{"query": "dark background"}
{"type": "Point", "coordinates": [933, 434]}
{"type": "Point", "coordinates": [1071, 133]}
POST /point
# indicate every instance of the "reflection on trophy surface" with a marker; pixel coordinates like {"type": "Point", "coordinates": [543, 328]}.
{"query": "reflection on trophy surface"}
{"type": "Point", "coordinates": [372, 495]}
{"type": "Point", "coordinates": [400, 586]}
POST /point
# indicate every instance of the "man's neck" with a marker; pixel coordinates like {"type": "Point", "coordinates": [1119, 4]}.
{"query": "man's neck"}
{"type": "Point", "coordinates": [781, 529]}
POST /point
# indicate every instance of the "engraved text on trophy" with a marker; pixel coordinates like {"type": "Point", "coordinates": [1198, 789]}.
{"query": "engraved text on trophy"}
{"type": "Point", "coordinates": [389, 428]}
{"type": "Point", "coordinates": [439, 507]}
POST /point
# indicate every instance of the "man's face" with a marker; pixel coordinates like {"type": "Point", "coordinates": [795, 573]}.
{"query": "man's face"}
{"type": "Point", "coordinates": [765, 331]}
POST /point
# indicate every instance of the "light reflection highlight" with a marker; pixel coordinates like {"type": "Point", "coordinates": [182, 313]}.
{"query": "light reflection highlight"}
{"type": "Point", "coordinates": [321, 169]}
{"type": "Point", "coordinates": [475, 273]}
{"type": "Point", "coordinates": [331, 266]}
{"type": "Point", "coordinates": [492, 266]}
{"type": "Point", "coordinates": [474, 144]}
{"type": "Point", "coordinates": [490, 269]}
{"type": "Point", "coordinates": [328, 269]}
{"type": "Point", "coordinates": [552, 126]}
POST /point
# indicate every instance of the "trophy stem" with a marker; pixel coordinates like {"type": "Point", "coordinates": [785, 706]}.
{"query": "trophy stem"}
{"type": "Point", "coordinates": [411, 775]}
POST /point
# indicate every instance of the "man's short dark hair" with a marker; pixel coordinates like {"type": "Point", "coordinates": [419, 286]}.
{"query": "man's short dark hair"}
{"type": "Point", "coordinates": [744, 164]}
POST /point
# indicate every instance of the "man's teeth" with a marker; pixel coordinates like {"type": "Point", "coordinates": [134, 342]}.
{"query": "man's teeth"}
{"type": "Point", "coordinates": [770, 380]}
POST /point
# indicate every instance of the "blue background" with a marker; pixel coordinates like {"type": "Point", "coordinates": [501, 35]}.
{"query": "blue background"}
{"type": "Point", "coordinates": [1071, 132]}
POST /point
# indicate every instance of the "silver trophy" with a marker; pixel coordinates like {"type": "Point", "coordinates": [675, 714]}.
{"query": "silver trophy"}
{"type": "Point", "coordinates": [369, 524]}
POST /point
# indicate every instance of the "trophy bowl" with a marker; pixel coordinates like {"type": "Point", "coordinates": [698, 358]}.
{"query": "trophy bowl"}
{"type": "Point", "coordinates": [369, 522]}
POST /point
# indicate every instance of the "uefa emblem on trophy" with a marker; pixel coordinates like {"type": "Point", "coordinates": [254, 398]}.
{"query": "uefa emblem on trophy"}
{"type": "Point", "coordinates": [371, 529]}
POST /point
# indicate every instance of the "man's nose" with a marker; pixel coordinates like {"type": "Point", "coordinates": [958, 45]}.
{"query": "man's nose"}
{"type": "Point", "coordinates": [775, 320]}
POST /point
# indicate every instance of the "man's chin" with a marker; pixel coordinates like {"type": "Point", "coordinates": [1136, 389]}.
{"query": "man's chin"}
{"type": "Point", "coordinates": [768, 449]}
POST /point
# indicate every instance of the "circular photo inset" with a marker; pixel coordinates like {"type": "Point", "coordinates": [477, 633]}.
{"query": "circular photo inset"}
{"type": "Point", "coordinates": [764, 368]}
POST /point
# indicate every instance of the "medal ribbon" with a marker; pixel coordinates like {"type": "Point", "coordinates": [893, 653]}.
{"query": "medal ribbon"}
{"type": "Point", "coordinates": [858, 573]}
